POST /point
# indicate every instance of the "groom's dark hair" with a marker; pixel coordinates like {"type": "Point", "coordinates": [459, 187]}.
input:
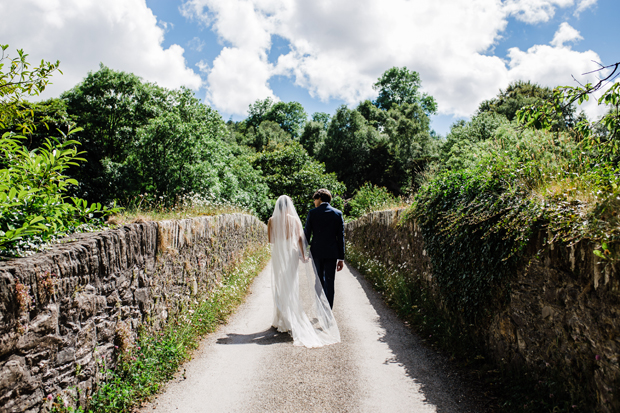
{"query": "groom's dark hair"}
{"type": "Point", "coordinates": [323, 194]}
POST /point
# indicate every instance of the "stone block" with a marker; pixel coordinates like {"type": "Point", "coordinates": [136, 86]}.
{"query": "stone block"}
{"type": "Point", "coordinates": [65, 356]}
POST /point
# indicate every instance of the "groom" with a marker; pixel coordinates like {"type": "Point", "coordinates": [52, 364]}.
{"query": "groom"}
{"type": "Point", "coordinates": [325, 233]}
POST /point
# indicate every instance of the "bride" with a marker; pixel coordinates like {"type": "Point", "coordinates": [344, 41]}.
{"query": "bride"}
{"type": "Point", "coordinates": [300, 305]}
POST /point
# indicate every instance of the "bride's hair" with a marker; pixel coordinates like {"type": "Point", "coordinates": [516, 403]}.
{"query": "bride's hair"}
{"type": "Point", "coordinates": [282, 202]}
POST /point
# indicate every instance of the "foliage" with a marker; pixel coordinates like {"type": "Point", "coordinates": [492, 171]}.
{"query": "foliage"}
{"type": "Point", "coordinates": [289, 116]}
{"type": "Point", "coordinates": [16, 80]}
{"type": "Point", "coordinates": [477, 220]}
{"type": "Point", "coordinates": [601, 137]}
{"type": "Point", "coordinates": [356, 151]}
{"type": "Point", "coordinates": [266, 133]}
{"type": "Point", "coordinates": [145, 139]}
{"type": "Point", "coordinates": [369, 198]}
{"type": "Point", "coordinates": [322, 118]}
{"type": "Point", "coordinates": [45, 118]}
{"type": "Point", "coordinates": [34, 206]}
{"type": "Point", "coordinates": [288, 169]}
{"type": "Point", "coordinates": [522, 94]}
{"type": "Point", "coordinates": [410, 141]}
{"type": "Point", "coordinates": [461, 149]}
{"type": "Point", "coordinates": [313, 137]}
{"type": "Point", "coordinates": [400, 85]}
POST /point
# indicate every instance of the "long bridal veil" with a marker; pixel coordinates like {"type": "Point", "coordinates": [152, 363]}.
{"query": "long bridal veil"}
{"type": "Point", "coordinates": [300, 305]}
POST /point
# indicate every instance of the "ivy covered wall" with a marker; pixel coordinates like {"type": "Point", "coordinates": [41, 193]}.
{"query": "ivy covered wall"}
{"type": "Point", "coordinates": [555, 313]}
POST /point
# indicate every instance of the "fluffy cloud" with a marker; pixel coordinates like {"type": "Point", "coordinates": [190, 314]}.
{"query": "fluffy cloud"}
{"type": "Point", "coordinates": [339, 48]}
{"type": "Point", "coordinates": [583, 5]}
{"type": "Point", "coordinates": [122, 34]}
{"type": "Point", "coordinates": [535, 11]}
{"type": "Point", "coordinates": [565, 34]}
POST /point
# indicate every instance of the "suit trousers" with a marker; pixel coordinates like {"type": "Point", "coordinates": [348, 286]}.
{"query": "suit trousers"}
{"type": "Point", "coordinates": [326, 270]}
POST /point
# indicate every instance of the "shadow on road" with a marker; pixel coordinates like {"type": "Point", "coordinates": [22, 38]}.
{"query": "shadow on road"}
{"type": "Point", "coordinates": [267, 337]}
{"type": "Point", "coordinates": [431, 370]}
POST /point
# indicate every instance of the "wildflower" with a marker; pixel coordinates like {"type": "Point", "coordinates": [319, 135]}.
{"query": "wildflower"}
{"type": "Point", "coordinates": [50, 397]}
{"type": "Point", "coordinates": [597, 357]}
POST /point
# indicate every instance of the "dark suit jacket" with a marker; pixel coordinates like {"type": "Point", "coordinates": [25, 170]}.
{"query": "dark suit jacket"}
{"type": "Point", "coordinates": [325, 232]}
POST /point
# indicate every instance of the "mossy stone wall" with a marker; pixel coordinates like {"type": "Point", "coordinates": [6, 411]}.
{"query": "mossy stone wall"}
{"type": "Point", "coordinates": [107, 283]}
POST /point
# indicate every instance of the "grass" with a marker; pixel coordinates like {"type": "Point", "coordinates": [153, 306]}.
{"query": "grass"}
{"type": "Point", "coordinates": [144, 366]}
{"type": "Point", "coordinates": [145, 208]}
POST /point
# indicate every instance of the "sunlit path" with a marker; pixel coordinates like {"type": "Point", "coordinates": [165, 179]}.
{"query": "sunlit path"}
{"type": "Point", "coordinates": [246, 366]}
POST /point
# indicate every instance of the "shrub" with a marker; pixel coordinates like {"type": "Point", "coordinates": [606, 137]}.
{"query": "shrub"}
{"type": "Point", "coordinates": [371, 198]}
{"type": "Point", "coordinates": [34, 204]}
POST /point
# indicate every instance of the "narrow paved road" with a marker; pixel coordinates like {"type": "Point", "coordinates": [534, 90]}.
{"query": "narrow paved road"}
{"type": "Point", "coordinates": [380, 366]}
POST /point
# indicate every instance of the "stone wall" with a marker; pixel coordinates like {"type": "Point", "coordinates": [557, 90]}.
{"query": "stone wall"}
{"type": "Point", "coordinates": [563, 315]}
{"type": "Point", "coordinates": [139, 274]}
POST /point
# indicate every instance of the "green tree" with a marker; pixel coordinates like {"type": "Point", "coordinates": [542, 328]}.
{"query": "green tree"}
{"type": "Point", "coordinates": [322, 118]}
{"type": "Point", "coordinates": [411, 145]}
{"type": "Point", "coordinates": [356, 151]}
{"type": "Point", "coordinates": [111, 106]}
{"type": "Point", "coordinates": [521, 94]}
{"type": "Point", "coordinates": [266, 133]}
{"type": "Point", "coordinates": [143, 138]}
{"type": "Point", "coordinates": [400, 85]}
{"type": "Point", "coordinates": [290, 116]}
{"type": "Point", "coordinates": [312, 137]}
{"type": "Point", "coordinates": [289, 170]}
{"type": "Point", "coordinates": [257, 112]}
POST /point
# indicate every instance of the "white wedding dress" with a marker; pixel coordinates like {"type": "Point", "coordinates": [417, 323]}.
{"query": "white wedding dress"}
{"type": "Point", "coordinates": [300, 305]}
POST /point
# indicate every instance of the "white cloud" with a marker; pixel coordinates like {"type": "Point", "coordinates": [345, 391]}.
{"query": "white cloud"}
{"type": "Point", "coordinates": [535, 11]}
{"type": "Point", "coordinates": [122, 34]}
{"type": "Point", "coordinates": [339, 48]}
{"type": "Point", "coordinates": [237, 79]}
{"type": "Point", "coordinates": [196, 44]}
{"type": "Point", "coordinates": [583, 5]}
{"type": "Point", "coordinates": [566, 33]}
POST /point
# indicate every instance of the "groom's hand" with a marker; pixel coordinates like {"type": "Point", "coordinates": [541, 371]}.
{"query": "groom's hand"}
{"type": "Point", "coordinates": [340, 265]}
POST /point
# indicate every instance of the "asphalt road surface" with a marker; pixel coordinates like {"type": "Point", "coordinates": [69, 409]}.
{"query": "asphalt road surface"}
{"type": "Point", "coordinates": [380, 365]}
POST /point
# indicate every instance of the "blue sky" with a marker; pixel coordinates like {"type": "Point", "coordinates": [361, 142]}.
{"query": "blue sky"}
{"type": "Point", "coordinates": [323, 53]}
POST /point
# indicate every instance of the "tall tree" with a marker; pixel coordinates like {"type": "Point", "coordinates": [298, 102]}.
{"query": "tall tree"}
{"type": "Point", "coordinates": [400, 85]}
{"type": "Point", "coordinates": [356, 151]}
{"type": "Point", "coordinates": [290, 116]}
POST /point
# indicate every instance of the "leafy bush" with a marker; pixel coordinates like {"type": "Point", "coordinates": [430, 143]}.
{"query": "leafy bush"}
{"type": "Point", "coordinates": [34, 205]}
{"type": "Point", "coordinates": [371, 198]}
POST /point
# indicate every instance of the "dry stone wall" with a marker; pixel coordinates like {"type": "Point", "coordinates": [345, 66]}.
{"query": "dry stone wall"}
{"type": "Point", "coordinates": [137, 275]}
{"type": "Point", "coordinates": [563, 314]}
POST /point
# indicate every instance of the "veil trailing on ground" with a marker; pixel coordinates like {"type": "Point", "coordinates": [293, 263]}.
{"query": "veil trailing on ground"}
{"type": "Point", "coordinates": [300, 305]}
